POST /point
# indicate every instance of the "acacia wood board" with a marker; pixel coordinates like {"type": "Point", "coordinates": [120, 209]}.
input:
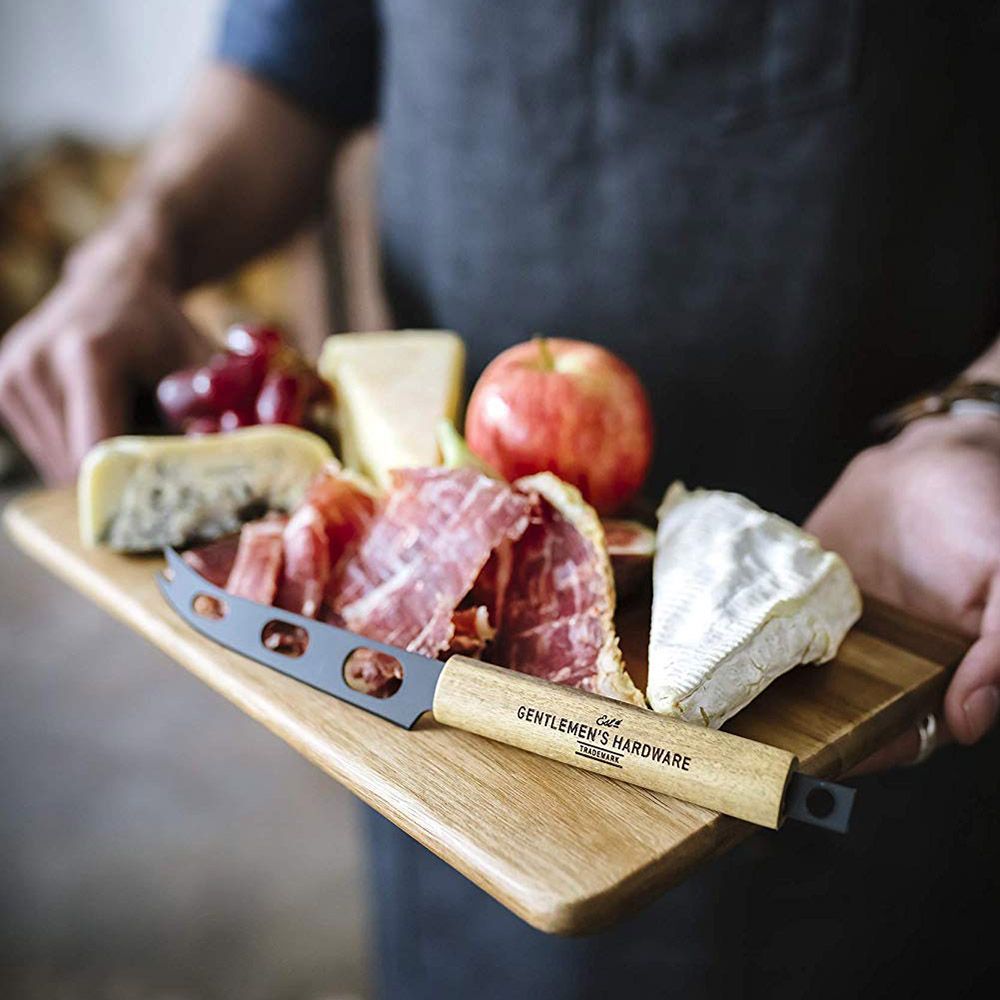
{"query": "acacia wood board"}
{"type": "Point", "coordinates": [566, 850]}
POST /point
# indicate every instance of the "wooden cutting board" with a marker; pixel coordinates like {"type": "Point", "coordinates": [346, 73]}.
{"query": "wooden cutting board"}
{"type": "Point", "coordinates": [566, 850]}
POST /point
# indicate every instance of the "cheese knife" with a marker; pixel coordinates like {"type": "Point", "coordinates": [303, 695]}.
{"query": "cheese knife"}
{"type": "Point", "coordinates": [718, 770]}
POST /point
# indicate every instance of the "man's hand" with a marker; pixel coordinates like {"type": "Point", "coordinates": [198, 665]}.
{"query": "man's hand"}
{"type": "Point", "coordinates": [67, 369]}
{"type": "Point", "coordinates": [918, 521]}
{"type": "Point", "coordinates": [240, 170]}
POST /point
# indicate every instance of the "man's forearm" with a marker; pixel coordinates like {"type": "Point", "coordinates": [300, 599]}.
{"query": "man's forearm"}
{"type": "Point", "coordinates": [240, 169]}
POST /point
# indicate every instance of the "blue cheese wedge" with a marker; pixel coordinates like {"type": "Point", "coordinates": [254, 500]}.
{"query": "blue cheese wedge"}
{"type": "Point", "coordinates": [740, 596]}
{"type": "Point", "coordinates": [137, 494]}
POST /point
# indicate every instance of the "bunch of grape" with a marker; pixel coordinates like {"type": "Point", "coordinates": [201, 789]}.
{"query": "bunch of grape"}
{"type": "Point", "coordinates": [256, 380]}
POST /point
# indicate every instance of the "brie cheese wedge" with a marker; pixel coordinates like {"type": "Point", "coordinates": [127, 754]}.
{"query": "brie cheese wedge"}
{"type": "Point", "coordinates": [740, 596]}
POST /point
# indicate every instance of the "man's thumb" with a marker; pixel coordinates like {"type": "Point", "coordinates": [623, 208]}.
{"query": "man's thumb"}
{"type": "Point", "coordinates": [973, 700]}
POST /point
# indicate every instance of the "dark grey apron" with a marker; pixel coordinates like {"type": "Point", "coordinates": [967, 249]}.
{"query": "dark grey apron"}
{"type": "Point", "coordinates": [784, 214]}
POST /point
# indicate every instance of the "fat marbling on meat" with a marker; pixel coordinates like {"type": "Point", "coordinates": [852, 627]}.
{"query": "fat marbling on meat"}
{"type": "Point", "coordinates": [560, 603]}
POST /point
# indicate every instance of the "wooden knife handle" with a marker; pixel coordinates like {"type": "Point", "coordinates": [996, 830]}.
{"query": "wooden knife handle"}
{"type": "Point", "coordinates": [709, 768]}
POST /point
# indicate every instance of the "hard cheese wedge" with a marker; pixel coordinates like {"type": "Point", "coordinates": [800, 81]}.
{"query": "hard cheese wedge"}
{"type": "Point", "coordinates": [392, 390]}
{"type": "Point", "coordinates": [141, 493]}
{"type": "Point", "coordinates": [739, 597]}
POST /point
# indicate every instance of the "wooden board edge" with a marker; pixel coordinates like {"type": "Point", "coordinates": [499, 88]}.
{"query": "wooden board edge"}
{"type": "Point", "coordinates": [562, 915]}
{"type": "Point", "coordinates": [588, 914]}
{"type": "Point", "coordinates": [916, 635]}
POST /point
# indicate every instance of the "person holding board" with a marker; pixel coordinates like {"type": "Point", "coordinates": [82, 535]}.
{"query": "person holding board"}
{"type": "Point", "coordinates": [786, 217]}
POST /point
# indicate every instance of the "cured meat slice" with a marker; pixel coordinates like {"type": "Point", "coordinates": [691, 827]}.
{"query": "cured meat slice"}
{"type": "Point", "coordinates": [374, 673]}
{"type": "Point", "coordinates": [472, 630]}
{"type": "Point", "coordinates": [306, 555]}
{"type": "Point", "coordinates": [215, 560]}
{"type": "Point", "coordinates": [337, 507]}
{"type": "Point", "coordinates": [490, 587]}
{"type": "Point", "coordinates": [257, 566]}
{"type": "Point", "coordinates": [560, 603]}
{"type": "Point", "coordinates": [347, 502]}
{"type": "Point", "coordinates": [422, 554]}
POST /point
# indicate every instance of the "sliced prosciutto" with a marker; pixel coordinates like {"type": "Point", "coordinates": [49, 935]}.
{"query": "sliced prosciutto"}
{"type": "Point", "coordinates": [559, 605]}
{"type": "Point", "coordinates": [490, 587]}
{"type": "Point", "coordinates": [422, 554]}
{"type": "Point", "coordinates": [471, 631]}
{"type": "Point", "coordinates": [374, 673]}
{"type": "Point", "coordinates": [259, 556]}
{"type": "Point", "coordinates": [215, 560]}
{"type": "Point", "coordinates": [336, 509]}
{"type": "Point", "coordinates": [380, 675]}
{"type": "Point", "coordinates": [449, 561]}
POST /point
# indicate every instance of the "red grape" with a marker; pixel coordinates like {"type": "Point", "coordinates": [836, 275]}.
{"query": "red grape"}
{"type": "Point", "coordinates": [280, 400]}
{"type": "Point", "coordinates": [256, 380]}
{"type": "Point", "coordinates": [201, 425]}
{"type": "Point", "coordinates": [251, 340]}
{"type": "Point", "coordinates": [233, 419]}
{"type": "Point", "coordinates": [178, 400]}
{"type": "Point", "coordinates": [229, 381]}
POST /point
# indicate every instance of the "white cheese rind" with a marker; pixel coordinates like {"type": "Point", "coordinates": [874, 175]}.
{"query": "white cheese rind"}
{"type": "Point", "coordinates": [137, 494]}
{"type": "Point", "coordinates": [740, 596]}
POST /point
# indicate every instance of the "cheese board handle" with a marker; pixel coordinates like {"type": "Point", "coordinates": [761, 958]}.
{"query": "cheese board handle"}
{"type": "Point", "coordinates": [717, 770]}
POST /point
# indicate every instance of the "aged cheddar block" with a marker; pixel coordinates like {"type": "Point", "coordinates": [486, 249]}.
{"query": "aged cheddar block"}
{"type": "Point", "coordinates": [392, 391]}
{"type": "Point", "coordinates": [142, 493]}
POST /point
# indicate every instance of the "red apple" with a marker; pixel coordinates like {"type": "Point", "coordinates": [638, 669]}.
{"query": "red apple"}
{"type": "Point", "coordinates": [568, 407]}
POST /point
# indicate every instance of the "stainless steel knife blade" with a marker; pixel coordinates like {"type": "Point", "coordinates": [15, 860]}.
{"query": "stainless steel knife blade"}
{"type": "Point", "coordinates": [321, 665]}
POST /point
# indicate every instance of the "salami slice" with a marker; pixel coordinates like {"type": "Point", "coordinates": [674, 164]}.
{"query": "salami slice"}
{"type": "Point", "coordinates": [336, 509]}
{"type": "Point", "coordinates": [559, 605]}
{"type": "Point", "coordinates": [422, 554]}
{"type": "Point", "coordinates": [257, 565]}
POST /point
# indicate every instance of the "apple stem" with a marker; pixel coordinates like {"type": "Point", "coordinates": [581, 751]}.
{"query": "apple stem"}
{"type": "Point", "coordinates": [546, 362]}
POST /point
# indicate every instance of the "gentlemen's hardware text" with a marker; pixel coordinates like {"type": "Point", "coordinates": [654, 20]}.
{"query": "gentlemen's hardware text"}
{"type": "Point", "coordinates": [597, 743]}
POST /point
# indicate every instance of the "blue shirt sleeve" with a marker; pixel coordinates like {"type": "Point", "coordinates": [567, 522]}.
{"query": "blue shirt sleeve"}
{"type": "Point", "coordinates": [322, 54]}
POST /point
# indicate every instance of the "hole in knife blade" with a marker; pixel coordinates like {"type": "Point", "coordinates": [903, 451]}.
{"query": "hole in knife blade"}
{"type": "Point", "coordinates": [373, 672]}
{"type": "Point", "coordinates": [285, 638]}
{"type": "Point", "coordinates": [207, 606]}
{"type": "Point", "coordinates": [820, 802]}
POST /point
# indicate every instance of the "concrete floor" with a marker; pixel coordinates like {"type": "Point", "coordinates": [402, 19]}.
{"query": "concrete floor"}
{"type": "Point", "coordinates": [155, 842]}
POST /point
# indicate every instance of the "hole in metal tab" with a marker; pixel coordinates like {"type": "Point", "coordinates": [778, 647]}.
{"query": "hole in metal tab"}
{"type": "Point", "coordinates": [207, 606]}
{"type": "Point", "coordinates": [372, 672]}
{"type": "Point", "coordinates": [284, 638]}
{"type": "Point", "coordinates": [820, 802]}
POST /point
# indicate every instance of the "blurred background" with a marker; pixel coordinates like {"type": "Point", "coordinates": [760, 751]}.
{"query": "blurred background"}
{"type": "Point", "coordinates": [156, 843]}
